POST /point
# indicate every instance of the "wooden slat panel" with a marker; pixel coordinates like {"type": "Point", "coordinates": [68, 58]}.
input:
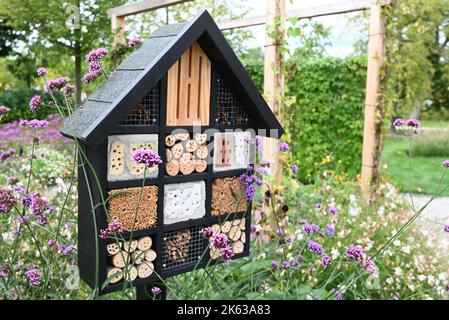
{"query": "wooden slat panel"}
{"type": "Point", "coordinates": [188, 92]}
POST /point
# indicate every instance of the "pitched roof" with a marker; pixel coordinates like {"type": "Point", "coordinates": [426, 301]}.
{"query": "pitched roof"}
{"type": "Point", "coordinates": [144, 67]}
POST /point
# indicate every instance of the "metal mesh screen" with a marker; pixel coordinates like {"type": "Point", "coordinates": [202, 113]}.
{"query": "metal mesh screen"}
{"type": "Point", "coordinates": [146, 112]}
{"type": "Point", "coordinates": [182, 247]}
{"type": "Point", "coordinates": [229, 109]}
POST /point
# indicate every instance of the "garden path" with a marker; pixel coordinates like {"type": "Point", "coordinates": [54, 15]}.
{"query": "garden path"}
{"type": "Point", "coordinates": [437, 210]}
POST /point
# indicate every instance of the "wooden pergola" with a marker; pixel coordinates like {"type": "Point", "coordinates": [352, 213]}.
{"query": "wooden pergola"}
{"type": "Point", "coordinates": [274, 81]}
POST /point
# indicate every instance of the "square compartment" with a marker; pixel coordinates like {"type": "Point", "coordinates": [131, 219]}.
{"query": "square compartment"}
{"type": "Point", "coordinates": [121, 165]}
{"type": "Point", "coordinates": [184, 201]}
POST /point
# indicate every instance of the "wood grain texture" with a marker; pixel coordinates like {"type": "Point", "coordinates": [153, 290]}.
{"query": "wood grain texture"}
{"type": "Point", "coordinates": [188, 92]}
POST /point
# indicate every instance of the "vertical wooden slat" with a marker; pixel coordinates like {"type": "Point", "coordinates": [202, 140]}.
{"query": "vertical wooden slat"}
{"type": "Point", "coordinates": [273, 77]}
{"type": "Point", "coordinates": [371, 138]}
{"type": "Point", "coordinates": [118, 30]}
{"type": "Point", "coordinates": [188, 96]}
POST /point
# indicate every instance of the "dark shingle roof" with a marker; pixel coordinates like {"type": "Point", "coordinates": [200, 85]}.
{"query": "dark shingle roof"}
{"type": "Point", "coordinates": [79, 123]}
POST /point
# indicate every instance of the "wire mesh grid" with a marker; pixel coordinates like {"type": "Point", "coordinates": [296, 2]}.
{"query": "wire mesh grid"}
{"type": "Point", "coordinates": [182, 247]}
{"type": "Point", "coordinates": [229, 108]}
{"type": "Point", "coordinates": [146, 112]}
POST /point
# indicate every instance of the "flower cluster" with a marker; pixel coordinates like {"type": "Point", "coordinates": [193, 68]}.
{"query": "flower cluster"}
{"type": "Point", "coordinates": [227, 253]}
{"type": "Point", "coordinates": [66, 250]}
{"type": "Point", "coordinates": [96, 54]}
{"type": "Point", "coordinates": [315, 247]}
{"type": "Point", "coordinates": [4, 110]}
{"type": "Point", "coordinates": [7, 154]}
{"type": "Point", "coordinates": [114, 226]}
{"type": "Point", "coordinates": [330, 230]}
{"type": "Point", "coordinates": [355, 253]}
{"type": "Point", "coordinates": [219, 241]}
{"type": "Point", "coordinates": [41, 71]}
{"type": "Point", "coordinates": [326, 261]}
{"type": "Point", "coordinates": [135, 42]}
{"type": "Point", "coordinates": [150, 158]}
{"type": "Point", "coordinates": [7, 200]}
{"type": "Point", "coordinates": [57, 84]}
{"type": "Point", "coordinates": [310, 228]}
{"type": "Point", "coordinates": [69, 89]}
{"type": "Point", "coordinates": [414, 123]}
{"type": "Point", "coordinates": [33, 275]}
{"type": "Point", "coordinates": [95, 66]}
{"type": "Point", "coordinates": [4, 270]}
{"type": "Point", "coordinates": [34, 123]}
{"type": "Point", "coordinates": [283, 147]}
{"type": "Point", "coordinates": [35, 102]}
{"type": "Point", "coordinates": [257, 140]}
{"type": "Point", "coordinates": [446, 164]}
{"type": "Point", "coordinates": [249, 181]}
{"type": "Point", "coordinates": [370, 267]}
{"type": "Point", "coordinates": [38, 206]}
{"type": "Point", "coordinates": [207, 232]}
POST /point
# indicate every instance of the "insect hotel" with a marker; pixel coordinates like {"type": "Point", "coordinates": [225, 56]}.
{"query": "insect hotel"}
{"type": "Point", "coordinates": [184, 93]}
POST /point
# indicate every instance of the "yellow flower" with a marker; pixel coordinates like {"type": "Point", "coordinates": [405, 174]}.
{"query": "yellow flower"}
{"type": "Point", "coordinates": [326, 159]}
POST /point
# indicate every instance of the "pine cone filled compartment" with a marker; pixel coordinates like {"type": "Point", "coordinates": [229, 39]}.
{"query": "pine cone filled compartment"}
{"type": "Point", "coordinates": [182, 247]}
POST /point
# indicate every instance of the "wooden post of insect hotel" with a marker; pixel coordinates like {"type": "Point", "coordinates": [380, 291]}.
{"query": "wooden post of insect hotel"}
{"type": "Point", "coordinates": [371, 140]}
{"type": "Point", "coordinates": [273, 77]}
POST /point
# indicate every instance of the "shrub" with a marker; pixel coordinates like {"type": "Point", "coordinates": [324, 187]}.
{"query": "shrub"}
{"type": "Point", "coordinates": [327, 116]}
{"type": "Point", "coordinates": [17, 100]}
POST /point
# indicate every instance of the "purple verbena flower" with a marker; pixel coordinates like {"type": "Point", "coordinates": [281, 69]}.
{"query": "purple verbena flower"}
{"type": "Point", "coordinates": [275, 265]}
{"type": "Point", "coordinates": [252, 228]}
{"type": "Point", "coordinates": [35, 102]}
{"type": "Point", "coordinates": [285, 265]}
{"type": "Point", "coordinates": [66, 250]}
{"type": "Point", "coordinates": [52, 244]}
{"type": "Point", "coordinates": [4, 110]}
{"type": "Point", "coordinates": [295, 264]}
{"type": "Point", "coordinates": [38, 206]}
{"type": "Point", "coordinates": [446, 227]}
{"type": "Point", "coordinates": [227, 253]}
{"type": "Point", "coordinates": [310, 228]}
{"type": "Point", "coordinates": [370, 267]}
{"type": "Point", "coordinates": [156, 291]}
{"type": "Point", "coordinates": [34, 123]}
{"type": "Point", "coordinates": [330, 230]}
{"type": "Point", "coordinates": [135, 42]}
{"type": "Point", "coordinates": [207, 232]}
{"type": "Point", "coordinates": [446, 164]}
{"type": "Point", "coordinates": [114, 226]}
{"type": "Point", "coordinates": [333, 210]}
{"type": "Point", "coordinates": [7, 200]}
{"type": "Point", "coordinates": [283, 147]}
{"type": "Point", "coordinates": [95, 66]}
{"type": "Point", "coordinates": [24, 219]}
{"type": "Point", "coordinates": [149, 157]}
{"type": "Point", "coordinates": [318, 205]}
{"type": "Point", "coordinates": [398, 123]}
{"type": "Point", "coordinates": [4, 270]}
{"type": "Point", "coordinates": [96, 54]}
{"type": "Point", "coordinates": [295, 169]}
{"type": "Point", "coordinates": [41, 71]}
{"type": "Point", "coordinates": [57, 84]}
{"type": "Point", "coordinates": [7, 154]}
{"type": "Point", "coordinates": [355, 253]}
{"type": "Point", "coordinates": [220, 241]}
{"type": "Point", "coordinates": [104, 233]}
{"type": "Point", "coordinates": [315, 247]}
{"type": "Point", "coordinates": [326, 261]}
{"type": "Point", "coordinates": [69, 89]}
{"type": "Point", "coordinates": [33, 276]}
{"type": "Point", "coordinates": [91, 76]}
{"type": "Point", "coordinates": [413, 123]}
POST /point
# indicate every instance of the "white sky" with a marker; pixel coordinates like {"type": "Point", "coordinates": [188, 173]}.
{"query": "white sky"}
{"type": "Point", "coordinates": [343, 33]}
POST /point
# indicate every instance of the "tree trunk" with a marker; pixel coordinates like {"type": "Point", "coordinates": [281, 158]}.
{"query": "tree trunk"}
{"type": "Point", "coordinates": [78, 73]}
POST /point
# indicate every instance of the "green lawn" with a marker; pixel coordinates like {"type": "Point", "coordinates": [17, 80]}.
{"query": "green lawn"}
{"type": "Point", "coordinates": [426, 172]}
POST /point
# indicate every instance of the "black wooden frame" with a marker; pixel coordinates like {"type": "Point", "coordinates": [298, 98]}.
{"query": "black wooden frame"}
{"type": "Point", "coordinates": [97, 157]}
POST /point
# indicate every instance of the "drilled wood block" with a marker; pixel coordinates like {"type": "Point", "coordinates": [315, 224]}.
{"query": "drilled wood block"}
{"type": "Point", "coordinates": [121, 165]}
{"type": "Point", "coordinates": [231, 150]}
{"type": "Point", "coordinates": [184, 201]}
{"type": "Point", "coordinates": [123, 207]}
{"type": "Point", "coordinates": [228, 196]}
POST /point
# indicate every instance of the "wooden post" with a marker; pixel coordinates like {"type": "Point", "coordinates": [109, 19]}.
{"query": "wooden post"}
{"type": "Point", "coordinates": [371, 135]}
{"type": "Point", "coordinates": [273, 77]}
{"type": "Point", "coordinates": [118, 29]}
